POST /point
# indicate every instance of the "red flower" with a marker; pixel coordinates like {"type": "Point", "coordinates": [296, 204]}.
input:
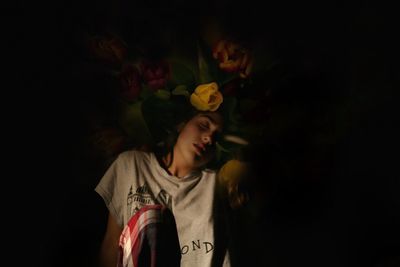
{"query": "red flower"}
{"type": "Point", "coordinates": [155, 73]}
{"type": "Point", "coordinates": [233, 58]}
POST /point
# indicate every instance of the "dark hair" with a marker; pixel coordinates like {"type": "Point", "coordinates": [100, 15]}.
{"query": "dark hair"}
{"type": "Point", "coordinates": [166, 145]}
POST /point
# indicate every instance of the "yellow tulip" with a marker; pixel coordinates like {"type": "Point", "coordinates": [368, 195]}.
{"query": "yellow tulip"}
{"type": "Point", "coordinates": [232, 171]}
{"type": "Point", "coordinates": [206, 97]}
{"type": "Point", "coordinates": [230, 176]}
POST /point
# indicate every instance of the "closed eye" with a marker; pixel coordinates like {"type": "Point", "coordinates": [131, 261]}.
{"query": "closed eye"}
{"type": "Point", "coordinates": [204, 126]}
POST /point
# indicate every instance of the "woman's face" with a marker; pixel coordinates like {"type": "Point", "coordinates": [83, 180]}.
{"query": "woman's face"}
{"type": "Point", "coordinates": [196, 140]}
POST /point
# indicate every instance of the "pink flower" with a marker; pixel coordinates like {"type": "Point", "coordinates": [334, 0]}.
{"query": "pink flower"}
{"type": "Point", "coordinates": [155, 73]}
{"type": "Point", "coordinates": [130, 82]}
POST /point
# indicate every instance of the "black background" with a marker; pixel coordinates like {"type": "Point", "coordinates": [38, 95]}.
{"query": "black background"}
{"type": "Point", "coordinates": [349, 216]}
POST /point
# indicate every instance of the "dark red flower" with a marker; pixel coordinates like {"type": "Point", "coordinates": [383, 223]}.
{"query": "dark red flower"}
{"type": "Point", "coordinates": [155, 73]}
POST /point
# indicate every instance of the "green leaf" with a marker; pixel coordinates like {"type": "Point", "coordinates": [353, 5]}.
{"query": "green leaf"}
{"type": "Point", "coordinates": [220, 150]}
{"type": "Point", "coordinates": [181, 90]}
{"type": "Point", "coordinates": [226, 77]}
{"type": "Point", "coordinates": [181, 73]}
{"type": "Point", "coordinates": [162, 94]}
{"type": "Point", "coordinates": [132, 122]}
{"type": "Point", "coordinates": [247, 104]}
{"type": "Point", "coordinates": [209, 66]}
{"type": "Point", "coordinates": [145, 92]}
{"type": "Point", "coordinates": [204, 71]}
{"type": "Point", "coordinates": [230, 104]}
{"type": "Point", "coordinates": [158, 113]}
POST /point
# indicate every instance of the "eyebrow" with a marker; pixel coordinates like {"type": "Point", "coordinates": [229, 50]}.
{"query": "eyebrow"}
{"type": "Point", "coordinates": [211, 119]}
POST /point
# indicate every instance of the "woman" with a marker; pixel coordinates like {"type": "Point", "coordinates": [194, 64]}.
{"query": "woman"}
{"type": "Point", "coordinates": [178, 180]}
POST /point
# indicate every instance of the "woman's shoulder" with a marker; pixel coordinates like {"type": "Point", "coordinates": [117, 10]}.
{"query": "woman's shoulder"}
{"type": "Point", "coordinates": [209, 173]}
{"type": "Point", "coordinates": [134, 154]}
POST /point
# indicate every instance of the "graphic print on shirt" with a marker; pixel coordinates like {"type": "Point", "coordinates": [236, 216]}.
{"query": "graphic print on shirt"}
{"type": "Point", "coordinates": [138, 198]}
{"type": "Point", "coordinates": [197, 245]}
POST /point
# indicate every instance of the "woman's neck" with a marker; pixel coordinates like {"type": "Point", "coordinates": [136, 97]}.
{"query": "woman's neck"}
{"type": "Point", "coordinates": [178, 167]}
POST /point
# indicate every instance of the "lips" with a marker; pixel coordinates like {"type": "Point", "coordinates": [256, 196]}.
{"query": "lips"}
{"type": "Point", "coordinates": [200, 148]}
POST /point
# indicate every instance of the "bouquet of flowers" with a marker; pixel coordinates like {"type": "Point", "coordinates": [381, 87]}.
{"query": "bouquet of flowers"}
{"type": "Point", "coordinates": [153, 91]}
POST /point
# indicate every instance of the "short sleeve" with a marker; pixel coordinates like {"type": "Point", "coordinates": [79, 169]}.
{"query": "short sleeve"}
{"type": "Point", "coordinates": [112, 186]}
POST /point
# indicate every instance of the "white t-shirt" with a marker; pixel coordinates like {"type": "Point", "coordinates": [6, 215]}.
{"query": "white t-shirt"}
{"type": "Point", "coordinates": [136, 179]}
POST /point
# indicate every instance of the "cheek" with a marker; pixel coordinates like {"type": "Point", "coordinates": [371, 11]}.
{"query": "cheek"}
{"type": "Point", "coordinates": [183, 139]}
{"type": "Point", "coordinates": [188, 134]}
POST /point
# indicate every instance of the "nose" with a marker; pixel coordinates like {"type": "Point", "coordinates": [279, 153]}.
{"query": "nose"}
{"type": "Point", "coordinates": [207, 139]}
